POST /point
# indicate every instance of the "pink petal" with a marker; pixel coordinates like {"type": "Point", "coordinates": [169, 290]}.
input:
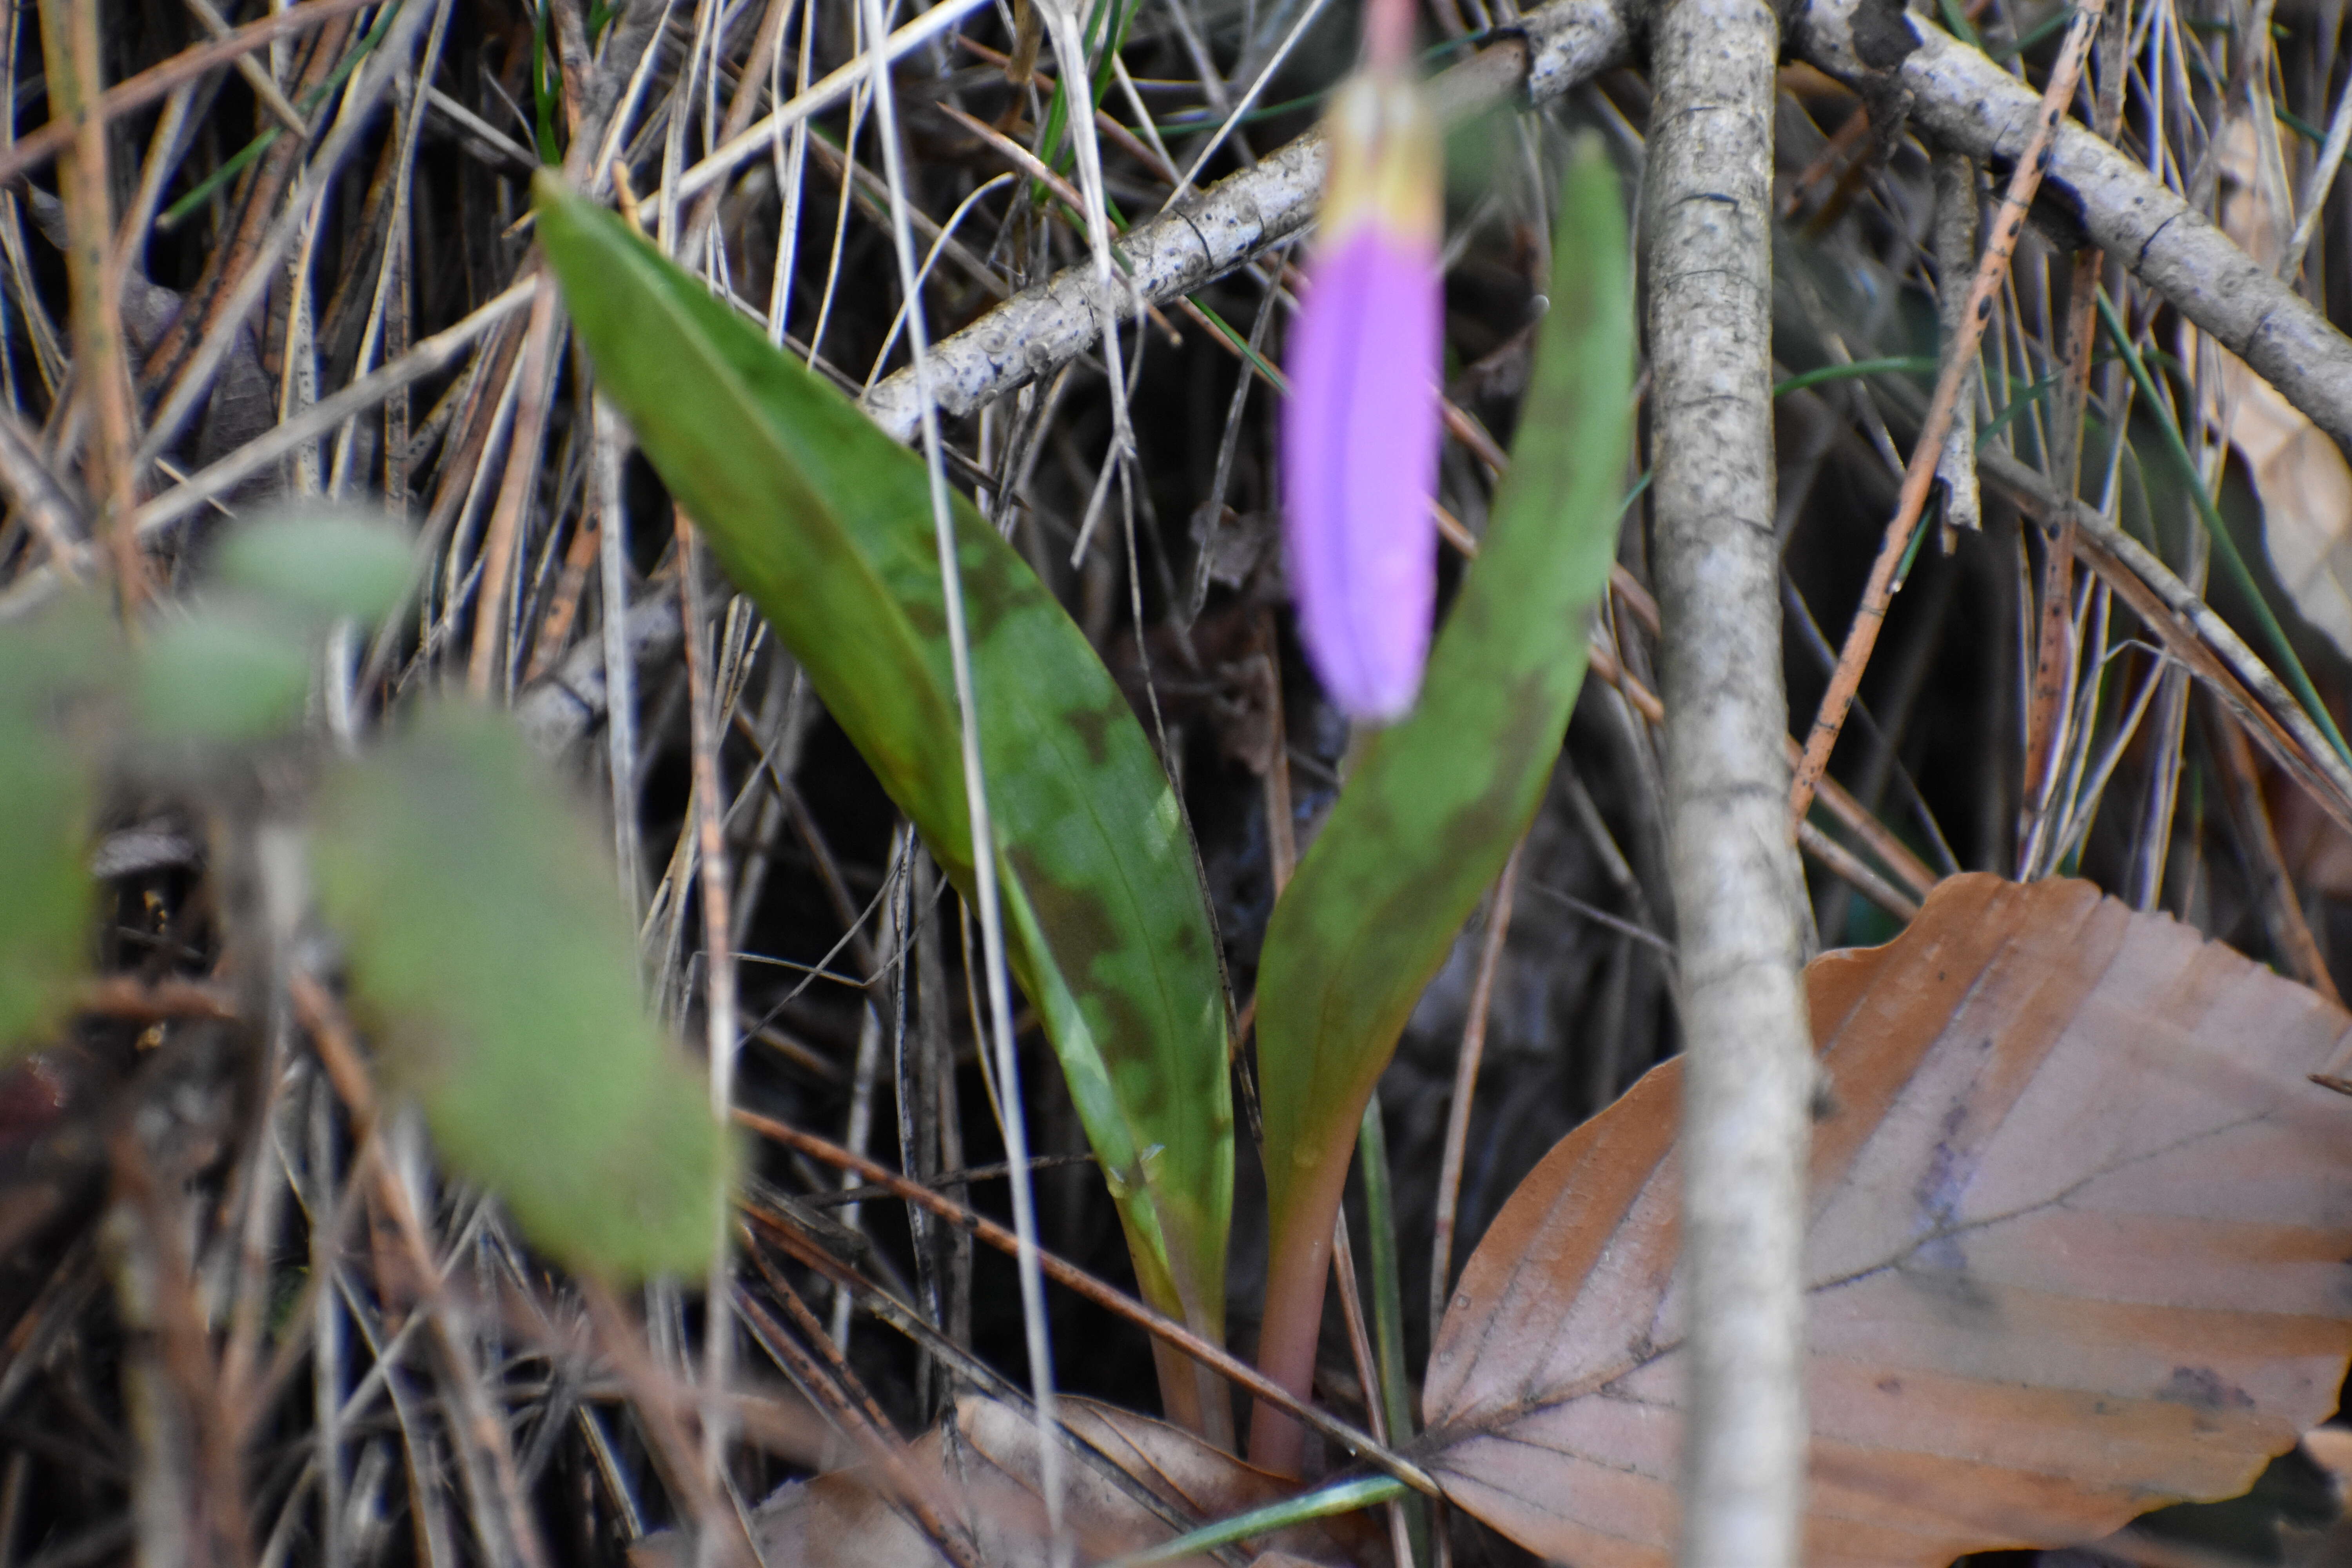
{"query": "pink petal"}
{"type": "Point", "coordinates": [1359, 447]}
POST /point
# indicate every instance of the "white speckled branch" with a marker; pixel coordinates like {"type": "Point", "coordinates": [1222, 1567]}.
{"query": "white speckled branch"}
{"type": "Point", "coordinates": [1707, 223]}
{"type": "Point", "coordinates": [1961, 100]}
{"type": "Point", "coordinates": [1199, 240]}
{"type": "Point", "coordinates": [1958, 98]}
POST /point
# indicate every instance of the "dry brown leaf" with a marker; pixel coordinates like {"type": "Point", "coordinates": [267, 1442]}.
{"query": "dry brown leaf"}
{"type": "Point", "coordinates": [2299, 473]}
{"type": "Point", "coordinates": [2081, 1245]}
{"type": "Point", "coordinates": [2306, 490]}
{"type": "Point", "coordinates": [842, 1520]}
{"type": "Point", "coordinates": [2330, 1448]}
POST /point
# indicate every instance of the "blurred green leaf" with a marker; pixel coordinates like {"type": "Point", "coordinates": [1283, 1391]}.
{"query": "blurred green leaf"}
{"type": "Point", "coordinates": [826, 523]}
{"type": "Point", "coordinates": [47, 796]}
{"type": "Point", "coordinates": [487, 948]}
{"type": "Point", "coordinates": [1436, 803]}
{"type": "Point", "coordinates": [221, 674]}
{"type": "Point", "coordinates": [321, 565]}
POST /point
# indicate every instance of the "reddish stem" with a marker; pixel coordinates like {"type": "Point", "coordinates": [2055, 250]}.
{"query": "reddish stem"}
{"type": "Point", "coordinates": [1298, 1267]}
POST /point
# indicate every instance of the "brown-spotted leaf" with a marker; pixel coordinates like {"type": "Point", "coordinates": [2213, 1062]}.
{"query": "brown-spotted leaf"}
{"type": "Point", "coordinates": [826, 524]}
{"type": "Point", "coordinates": [2080, 1246]}
{"type": "Point", "coordinates": [991, 1487]}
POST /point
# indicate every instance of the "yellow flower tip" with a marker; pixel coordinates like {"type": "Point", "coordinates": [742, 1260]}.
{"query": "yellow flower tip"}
{"type": "Point", "coordinates": [1384, 160]}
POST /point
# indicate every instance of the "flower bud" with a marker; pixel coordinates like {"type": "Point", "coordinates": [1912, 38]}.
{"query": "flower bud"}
{"type": "Point", "coordinates": [1360, 433]}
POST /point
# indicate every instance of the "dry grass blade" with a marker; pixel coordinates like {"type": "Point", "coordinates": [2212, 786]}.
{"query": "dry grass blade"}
{"type": "Point", "coordinates": [1076, 1279]}
{"type": "Point", "coordinates": [159, 80]}
{"type": "Point", "coordinates": [1960, 361]}
{"type": "Point", "coordinates": [491, 664]}
{"type": "Point", "coordinates": [844, 1519]}
{"type": "Point", "coordinates": [1465, 1082]}
{"type": "Point", "coordinates": [1167, 257]}
{"type": "Point", "coordinates": [69, 37]}
{"type": "Point", "coordinates": [2197, 635]}
{"type": "Point", "coordinates": [2075, 1217]}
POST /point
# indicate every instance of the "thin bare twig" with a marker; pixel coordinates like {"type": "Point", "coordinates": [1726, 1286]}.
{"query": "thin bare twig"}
{"type": "Point", "coordinates": [492, 663]}
{"type": "Point", "coordinates": [69, 43]}
{"type": "Point", "coordinates": [720, 1039]}
{"type": "Point", "coordinates": [1465, 1084]}
{"type": "Point", "coordinates": [1069, 1277]}
{"type": "Point", "coordinates": [158, 80]}
{"type": "Point", "coordinates": [264, 87]}
{"type": "Point", "coordinates": [1959, 354]}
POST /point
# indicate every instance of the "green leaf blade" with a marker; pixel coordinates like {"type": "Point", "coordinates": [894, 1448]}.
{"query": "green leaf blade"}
{"type": "Point", "coordinates": [45, 918]}
{"type": "Point", "coordinates": [46, 895]}
{"type": "Point", "coordinates": [321, 565]}
{"type": "Point", "coordinates": [486, 945]}
{"type": "Point", "coordinates": [825, 523]}
{"type": "Point", "coordinates": [1433, 808]}
{"type": "Point", "coordinates": [221, 675]}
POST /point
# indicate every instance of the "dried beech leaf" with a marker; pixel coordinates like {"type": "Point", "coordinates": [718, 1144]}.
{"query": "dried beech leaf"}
{"type": "Point", "coordinates": [2078, 1248]}
{"type": "Point", "coordinates": [2306, 490]}
{"type": "Point", "coordinates": [842, 1520]}
{"type": "Point", "coordinates": [2299, 473]}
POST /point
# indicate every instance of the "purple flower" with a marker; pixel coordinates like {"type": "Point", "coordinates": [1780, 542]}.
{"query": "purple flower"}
{"type": "Point", "coordinates": [1360, 434]}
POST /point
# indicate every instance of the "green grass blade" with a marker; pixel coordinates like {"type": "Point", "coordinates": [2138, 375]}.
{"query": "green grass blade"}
{"type": "Point", "coordinates": [1387, 1309]}
{"type": "Point", "coordinates": [1910, 364]}
{"type": "Point", "coordinates": [500, 977]}
{"type": "Point", "coordinates": [1433, 810]}
{"type": "Point", "coordinates": [1336, 1496]}
{"type": "Point", "coordinates": [825, 523]}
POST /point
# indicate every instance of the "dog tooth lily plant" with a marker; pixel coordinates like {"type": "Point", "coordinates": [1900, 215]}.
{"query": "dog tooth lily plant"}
{"type": "Point", "coordinates": [1359, 437]}
{"type": "Point", "coordinates": [825, 523]}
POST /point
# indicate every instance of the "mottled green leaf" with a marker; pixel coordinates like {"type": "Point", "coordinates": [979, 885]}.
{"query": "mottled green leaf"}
{"type": "Point", "coordinates": [1435, 804]}
{"type": "Point", "coordinates": [486, 949]}
{"type": "Point", "coordinates": [826, 523]}
{"type": "Point", "coordinates": [321, 564]}
{"type": "Point", "coordinates": [48, 667]}
{"type": "Point", "coordinates": [222, 674]}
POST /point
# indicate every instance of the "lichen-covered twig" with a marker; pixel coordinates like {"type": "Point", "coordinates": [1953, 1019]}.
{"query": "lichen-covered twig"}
{"type": "Point", "coordinates": [1198, 241]}
{"type": "Point", "coordinates": [1708, 219]}
{"type": "Point", "coordinates": [1960, 99]}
